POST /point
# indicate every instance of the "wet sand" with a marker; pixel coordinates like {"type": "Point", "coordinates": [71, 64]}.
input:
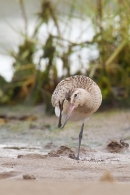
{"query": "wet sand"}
{"type": "Point", "coordinates": [36, 157]}
{"type": "Point", "coordinates": [94, 166]}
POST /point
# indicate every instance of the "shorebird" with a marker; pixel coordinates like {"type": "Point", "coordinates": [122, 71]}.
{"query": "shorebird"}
{"type": "Point", "coordinates": [76, 98]}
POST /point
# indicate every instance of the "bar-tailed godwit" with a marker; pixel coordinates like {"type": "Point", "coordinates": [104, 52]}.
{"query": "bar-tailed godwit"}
{"type": "Point", "coordinates": [76, 98]}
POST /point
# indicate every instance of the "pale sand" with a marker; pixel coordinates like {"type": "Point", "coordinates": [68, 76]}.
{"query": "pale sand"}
{"type": "Point", "coordinates": [62, 188]}
{"type": "Point", "coordinates": [95, 167]}
{"type": "Point", "coordinates": [100, 172]}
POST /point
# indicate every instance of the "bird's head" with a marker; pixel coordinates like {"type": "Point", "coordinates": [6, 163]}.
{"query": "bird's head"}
{"type": "Point", "coordinates": [75, 98]}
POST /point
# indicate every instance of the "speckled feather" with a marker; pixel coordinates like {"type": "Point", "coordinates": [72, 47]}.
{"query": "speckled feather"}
{"type": "Point", "coordinates": [77, 81]}
{"type": "Point", "coordinates": [76, 98]}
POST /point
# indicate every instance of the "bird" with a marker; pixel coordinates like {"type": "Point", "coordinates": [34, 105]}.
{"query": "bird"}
{"type": "Point", "coordinates": [76, 98]}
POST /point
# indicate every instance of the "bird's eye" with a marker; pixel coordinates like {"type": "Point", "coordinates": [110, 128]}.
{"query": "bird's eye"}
{"type": "Point", "coordinates": [75, 95]}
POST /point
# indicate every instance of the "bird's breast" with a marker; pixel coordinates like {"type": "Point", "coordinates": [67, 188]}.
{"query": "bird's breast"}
{"type": "Point", "coordinates": [78, 114]}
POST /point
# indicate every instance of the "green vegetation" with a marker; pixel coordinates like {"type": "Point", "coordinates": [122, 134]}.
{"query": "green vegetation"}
{"type": "Point", "coordinates": [110, 21]}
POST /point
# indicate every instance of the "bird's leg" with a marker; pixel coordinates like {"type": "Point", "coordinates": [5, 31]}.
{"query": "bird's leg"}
{"type": "Point", "coordinates": [61, 108]}
{"type": "Point", "coordinates": [80, 138]}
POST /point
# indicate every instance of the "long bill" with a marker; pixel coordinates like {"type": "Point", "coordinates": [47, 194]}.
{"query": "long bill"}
{"type": "Point", "coordinates": [70, 109]}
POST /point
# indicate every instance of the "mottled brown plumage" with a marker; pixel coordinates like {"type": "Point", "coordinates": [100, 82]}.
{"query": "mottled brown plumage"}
{"type": "Point", "coordinates": [76, 98]}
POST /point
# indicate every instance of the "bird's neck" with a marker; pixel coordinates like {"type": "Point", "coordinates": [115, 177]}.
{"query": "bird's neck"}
{"type": "Point", "coordinates": [85, 97]}
{"type": "Point", "coordinates": [87, 101]}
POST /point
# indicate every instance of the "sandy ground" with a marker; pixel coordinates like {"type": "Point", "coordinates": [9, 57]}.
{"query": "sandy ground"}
{"type": "Point", "coordinates": [64, 188]}
{"type": "Point", "coordinates": [36, 157]}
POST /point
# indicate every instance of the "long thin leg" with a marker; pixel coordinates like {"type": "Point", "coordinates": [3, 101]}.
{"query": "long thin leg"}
{"type": "Point", "coordinates": [80, 138]}
{"type": "Point", "coordinates": [61, 108]}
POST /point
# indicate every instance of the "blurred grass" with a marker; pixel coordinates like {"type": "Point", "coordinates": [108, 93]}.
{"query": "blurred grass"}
{"type": "Point", "coordinates": [110, 21]}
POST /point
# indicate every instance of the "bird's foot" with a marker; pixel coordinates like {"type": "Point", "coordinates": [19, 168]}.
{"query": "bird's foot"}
{"type": "Point", "coordinates": [77, 158]}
